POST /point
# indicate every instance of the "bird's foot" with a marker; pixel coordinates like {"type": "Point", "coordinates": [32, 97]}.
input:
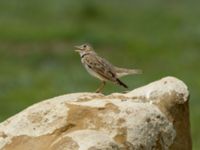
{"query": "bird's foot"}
{"type": "Point", "coordinates": [98, 91]}
{"type": "Point", "coordinates": [125, 92]}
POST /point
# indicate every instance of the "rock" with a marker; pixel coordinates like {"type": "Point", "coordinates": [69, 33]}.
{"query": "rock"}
{"type": "Point", "coordinates": [155, 116]}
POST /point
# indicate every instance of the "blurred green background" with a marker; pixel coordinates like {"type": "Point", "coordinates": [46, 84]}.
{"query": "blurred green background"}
{"type": "Point", "coordinates": [37, 60]}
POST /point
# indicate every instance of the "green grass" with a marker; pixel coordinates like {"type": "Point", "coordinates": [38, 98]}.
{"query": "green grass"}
{"type": "Point", "coordinates": [37, 37]}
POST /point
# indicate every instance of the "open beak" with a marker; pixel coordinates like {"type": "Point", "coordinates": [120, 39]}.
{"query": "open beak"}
{"type": "Point", "coordinates": [78, 48]}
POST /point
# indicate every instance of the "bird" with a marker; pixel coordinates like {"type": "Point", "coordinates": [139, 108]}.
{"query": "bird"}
{"type": "Point", "coordinates": [101, 68]}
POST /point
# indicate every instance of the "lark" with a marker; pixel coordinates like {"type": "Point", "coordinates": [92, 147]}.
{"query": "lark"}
{"type": "Point", "coordinates": [101, 68]}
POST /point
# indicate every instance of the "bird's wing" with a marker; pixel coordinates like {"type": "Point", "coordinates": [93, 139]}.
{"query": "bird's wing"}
{"type": "Point", "coordinates": [109, 71]}
{"type": "Point", "coordinates": [102, 67]}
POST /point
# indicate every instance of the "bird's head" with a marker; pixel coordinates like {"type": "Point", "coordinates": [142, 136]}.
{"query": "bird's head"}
{"type": "Point", "coordinates": [83, 48]}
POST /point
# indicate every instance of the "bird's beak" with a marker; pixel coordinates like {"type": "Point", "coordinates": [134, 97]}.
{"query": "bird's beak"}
{"type": "Point", "coordinates": [78, 48]}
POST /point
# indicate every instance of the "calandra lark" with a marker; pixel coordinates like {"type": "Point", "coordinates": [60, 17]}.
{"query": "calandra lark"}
{"type": "Point", "coordinates": [101, 68]}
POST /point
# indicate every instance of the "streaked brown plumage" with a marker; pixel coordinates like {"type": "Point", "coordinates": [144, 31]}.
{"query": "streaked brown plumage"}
{"type": "Point", "coordinates": [101, 68]}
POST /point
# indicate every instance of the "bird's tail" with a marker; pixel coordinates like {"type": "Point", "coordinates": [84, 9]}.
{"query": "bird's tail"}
{"type": "Point", "coordinates": [124, 72]}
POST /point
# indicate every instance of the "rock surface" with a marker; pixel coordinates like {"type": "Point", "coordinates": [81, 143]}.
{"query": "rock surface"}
{"type": "Point", "coordinates": [155, 116]}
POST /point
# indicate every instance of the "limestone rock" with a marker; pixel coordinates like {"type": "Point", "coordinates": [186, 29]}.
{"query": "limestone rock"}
{"type": "Point", "coordinates": [155, 116]}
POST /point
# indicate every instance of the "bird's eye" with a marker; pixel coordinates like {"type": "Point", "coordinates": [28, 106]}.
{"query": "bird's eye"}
{"type": "Point", "coordinates": [84, 46]}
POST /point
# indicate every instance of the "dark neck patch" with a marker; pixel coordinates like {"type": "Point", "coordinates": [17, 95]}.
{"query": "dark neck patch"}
{"type": "Point", "coordinates": [84, 55]}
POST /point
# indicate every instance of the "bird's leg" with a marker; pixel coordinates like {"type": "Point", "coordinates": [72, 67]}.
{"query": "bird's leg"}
{"type": "Point", "coordinates": [99, 90]}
